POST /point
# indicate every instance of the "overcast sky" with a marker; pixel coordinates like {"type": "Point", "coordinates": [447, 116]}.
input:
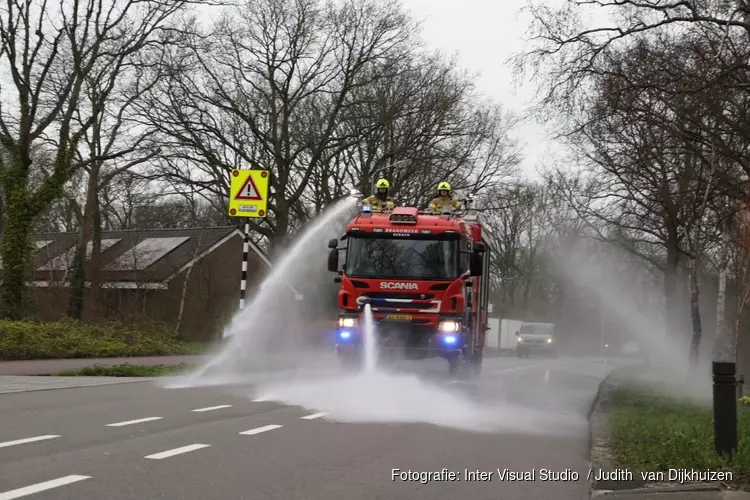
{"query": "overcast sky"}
{"type": "Point", "coordinates": [485, 33]}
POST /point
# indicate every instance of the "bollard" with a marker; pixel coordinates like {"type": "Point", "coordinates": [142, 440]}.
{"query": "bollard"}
{"type": "Point", "coordinates": [725, 408]}
{"type": "Point", "coordinates": [740, 386]}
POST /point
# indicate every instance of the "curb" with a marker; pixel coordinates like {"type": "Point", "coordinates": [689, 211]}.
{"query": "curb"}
{"type": "Point", "coordinates": [599, 488]}
{"type": "Point", "coordinates": [659, 489]}
{"type": "Point", "coordinates": [128, 380]}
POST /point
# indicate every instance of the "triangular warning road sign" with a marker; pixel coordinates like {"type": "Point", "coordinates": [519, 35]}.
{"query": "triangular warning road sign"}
{"type": "Point", "coordinates": [248, 191]}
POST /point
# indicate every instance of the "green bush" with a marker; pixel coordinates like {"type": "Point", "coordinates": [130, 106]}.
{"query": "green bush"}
{"type": "Point", "coordinates": [127, 370]}
{"type": "Point", "coordinates": [73, 339]}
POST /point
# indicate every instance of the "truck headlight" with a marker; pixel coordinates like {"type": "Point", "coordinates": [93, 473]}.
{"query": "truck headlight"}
{"type": "Point", "coordinates": [519, 340]}
{"type": "Point", "coordinates": [449, 326]}
{"type": "Point", "coordinates": [549, 340]}
{"type": "Point", "coordinates": [347, 322]}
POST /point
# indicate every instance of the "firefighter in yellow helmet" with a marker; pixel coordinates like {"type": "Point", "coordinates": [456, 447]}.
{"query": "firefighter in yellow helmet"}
{"type": "Point", "coordinates": [380, 201]}
{"type": "Point", "coordinates": [444, 200]}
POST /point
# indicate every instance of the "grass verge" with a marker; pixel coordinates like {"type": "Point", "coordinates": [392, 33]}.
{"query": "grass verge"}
{"type": "Point", "coordinates": [127, 370]}
{"type": "Point", "coordinates": [72, 339]}
{"type": "Point", "coordinates": [652, 433]}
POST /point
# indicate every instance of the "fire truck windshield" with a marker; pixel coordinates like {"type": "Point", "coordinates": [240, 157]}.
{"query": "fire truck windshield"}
{"type": "Point", "coordinates": [402, 258]}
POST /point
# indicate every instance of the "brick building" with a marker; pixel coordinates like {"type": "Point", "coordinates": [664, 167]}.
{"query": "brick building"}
{"type": "Point", "coordinates": [146, 274]}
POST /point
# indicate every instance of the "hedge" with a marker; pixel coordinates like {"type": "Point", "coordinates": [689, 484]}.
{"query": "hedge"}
{"type": "Point", "coordinates": [73, 339]}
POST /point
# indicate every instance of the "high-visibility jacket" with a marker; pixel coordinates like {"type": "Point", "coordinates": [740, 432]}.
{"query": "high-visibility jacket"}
{"type": "Point", "coordinates": [440, 203]}
{"type": "Point", "coordinates": [377, 204]}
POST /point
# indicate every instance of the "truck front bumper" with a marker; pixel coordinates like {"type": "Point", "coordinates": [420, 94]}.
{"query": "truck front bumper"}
{"type": "Point", "coordinates": [425, 342]}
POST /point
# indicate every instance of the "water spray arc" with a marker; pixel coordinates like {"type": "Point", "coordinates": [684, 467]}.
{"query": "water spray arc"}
{"type": "Point", "coordinates": [370, 342]}
{"type": "Point", "coordinates": [256, 321]}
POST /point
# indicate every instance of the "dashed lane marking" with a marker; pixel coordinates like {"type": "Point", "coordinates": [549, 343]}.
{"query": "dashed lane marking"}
{"type": "Point", "coordinates": [211, 408]}
{"type": "Point", "coordinates": [177, 451]}
{"type": "Point", "coordinates": [315, 415]}
{"type": "Point", "coordinates": [131, 422]}
{"type": "Point", "coordinates": [28, 440]}
{"type": "Point", "coordinates": [258, 430]}
{"type": "Point", "coordinates": [39, 487]}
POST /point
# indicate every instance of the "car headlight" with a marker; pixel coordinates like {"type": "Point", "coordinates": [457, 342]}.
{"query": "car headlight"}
{"type": "Point", "coordinates": [347, 322]}
{"type": "Point", "coordinates": [449, 326]}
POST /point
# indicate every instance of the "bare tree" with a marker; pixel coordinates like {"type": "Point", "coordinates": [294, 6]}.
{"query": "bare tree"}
{"type": "Point", "coordinates": [656, 154]}
{"type": "Point", "coordinates": [113, 145]}
{"type": "Point", "coordinates": [51, 53]}
{"type": "Point", "coordinates": [268, 88]}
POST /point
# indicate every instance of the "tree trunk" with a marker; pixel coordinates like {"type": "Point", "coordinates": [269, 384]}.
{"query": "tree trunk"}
{"type": "Point", "coordinates": [695, 316]}
{"type": "Point", "coordinates": [281, 223]}
{"type": "Point", "coordinates": [78, 281]}
{"type": "Point", "coordinates": [15, 249]}
{"type": "Point", "coordinates": [2, 212]}
{"type": "Point", "coordinates": [672, 292]}
{"type": "Point", "coordinates": [96, 250]}
{"type": "Point", "coordinates": [185, 283]}
{"type": "Point", "coordinates": [722, 340]}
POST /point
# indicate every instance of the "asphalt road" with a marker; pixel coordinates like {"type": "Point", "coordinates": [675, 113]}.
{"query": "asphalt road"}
{"type": "Point", "coordinates": [141, 441]}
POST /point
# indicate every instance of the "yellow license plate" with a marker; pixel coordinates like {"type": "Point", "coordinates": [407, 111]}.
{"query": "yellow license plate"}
{"type": "Point", "coordinates": [399, 317]}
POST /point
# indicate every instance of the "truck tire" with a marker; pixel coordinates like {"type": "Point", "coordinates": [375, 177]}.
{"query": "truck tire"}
{"type": "Point", "coordinates": [453, 365]}
{"type": "Point", "coordinates": [350, 361]}
{"type": "Point", "coordinates": [458, 367]}
{"type": "Point", "coordinates": [476, 362]}
{"type": "Point", "coordinates": [462, 367]}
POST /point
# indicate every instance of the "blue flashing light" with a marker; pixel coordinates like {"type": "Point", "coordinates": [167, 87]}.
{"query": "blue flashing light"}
{"type": "Point", "coordinates": [450, 339]}
{"type": "Point", "coordinates": [345, 335]}
{"type": "Point", "coordinates": [366, 209]}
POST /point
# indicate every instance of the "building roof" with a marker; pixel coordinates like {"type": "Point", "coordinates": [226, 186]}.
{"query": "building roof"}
{"type": "Point", "coordinates": [147, 256]}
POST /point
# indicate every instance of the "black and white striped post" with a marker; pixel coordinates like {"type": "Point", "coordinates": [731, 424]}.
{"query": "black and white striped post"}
{"type": "Point", "coordinates": [245, 251]}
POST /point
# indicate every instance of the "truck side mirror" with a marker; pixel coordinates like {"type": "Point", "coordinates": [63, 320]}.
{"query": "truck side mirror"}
{"type": "Point", "coordinates": [476, 264]}
{"type": "Point", "coordinates": [333, 260]}
{"type": "Point", "coordinates": [333, 243]}
{"type": "Point", "coordinates": [518, 333]}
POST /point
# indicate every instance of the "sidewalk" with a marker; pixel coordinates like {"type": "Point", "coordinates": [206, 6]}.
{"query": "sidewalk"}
{"type": "Point", "coordinates": [707, 492]}
{"type": "Point", "coordinates": [52, 366]}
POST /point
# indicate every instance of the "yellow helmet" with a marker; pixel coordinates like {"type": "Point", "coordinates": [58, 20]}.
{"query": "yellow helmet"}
{"type": "Point", "coordinates": [444, 186]}
{"type": "Point", "coordinates": [382, 183]}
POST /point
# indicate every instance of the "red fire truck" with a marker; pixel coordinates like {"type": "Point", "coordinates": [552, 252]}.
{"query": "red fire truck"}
{"type": "Point", "coordinates": [425, 278]}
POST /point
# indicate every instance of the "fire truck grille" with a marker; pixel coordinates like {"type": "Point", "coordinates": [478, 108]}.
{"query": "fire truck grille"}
{"type": "Point", "coordinates": [403, 296]}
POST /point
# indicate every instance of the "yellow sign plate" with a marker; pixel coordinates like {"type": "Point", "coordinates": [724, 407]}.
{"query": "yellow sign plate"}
{"type": "Point", "coordinates": [248, 193]}
{"type": "Point", "coordinates": [399, 317]}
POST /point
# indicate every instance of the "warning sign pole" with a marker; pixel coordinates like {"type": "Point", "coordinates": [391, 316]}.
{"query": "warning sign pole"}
{"type": "Point", "coordinates": [245, 251]}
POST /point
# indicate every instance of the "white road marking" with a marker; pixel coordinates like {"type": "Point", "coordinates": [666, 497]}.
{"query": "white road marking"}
{"type": "Point", "coordinates": [131, 422]}
{"type": "Point", "coordinates": [28, 440]}
{"type": "Point", "coordinates": [177, 451]}
{"type": "Point", "coordinates": [211, 408]}
{"type": "Point", "coordinates": [315, 415]}
{"type": "Point", "coordinates": [39, 487]}
{"type": "Point", "coordinates": [258, 430]}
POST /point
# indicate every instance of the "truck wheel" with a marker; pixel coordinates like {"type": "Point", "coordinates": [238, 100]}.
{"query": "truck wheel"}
{"type": "Point", "coordinates": [476, 362]}
{"type": "Point", "coordinates": [458, 367]}
{"type": "Point", "coordinates": [350, 361]}
{"type": "Point", "coordinates": [453, 365]}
